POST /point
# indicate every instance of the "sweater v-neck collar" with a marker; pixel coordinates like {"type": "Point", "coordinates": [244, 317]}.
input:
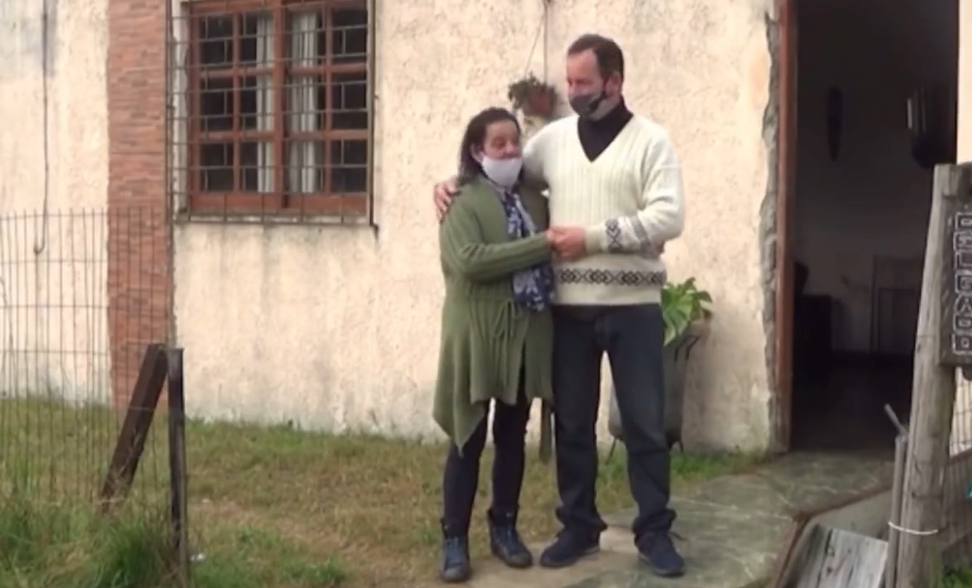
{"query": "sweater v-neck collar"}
{"type": "Point", "coordinates": [596, 136]}
{"type": "Point", "coordinates": [582, 153]}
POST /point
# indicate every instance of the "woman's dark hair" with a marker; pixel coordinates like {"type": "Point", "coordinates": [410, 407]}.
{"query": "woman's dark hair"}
{"type": "Point", "coordinates": [475, 135]}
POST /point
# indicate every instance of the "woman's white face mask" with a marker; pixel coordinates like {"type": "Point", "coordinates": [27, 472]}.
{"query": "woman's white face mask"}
{"type": "Point", "coordinates": [503, 172]}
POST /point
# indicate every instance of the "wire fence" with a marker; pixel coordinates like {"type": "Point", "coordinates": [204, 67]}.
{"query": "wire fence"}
{"type": "Point", "coordinates": [80, 299]}
{"type": "Point", "coordinates": [957, 540]}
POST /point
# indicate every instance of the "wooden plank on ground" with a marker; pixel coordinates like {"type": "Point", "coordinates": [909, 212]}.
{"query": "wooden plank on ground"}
{"type": "Point", "coordinates": [832, 558]}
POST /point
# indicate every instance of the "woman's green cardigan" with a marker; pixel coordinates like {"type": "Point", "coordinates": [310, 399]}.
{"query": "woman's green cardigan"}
{"type": "Point", "coordinates": [487, 339]}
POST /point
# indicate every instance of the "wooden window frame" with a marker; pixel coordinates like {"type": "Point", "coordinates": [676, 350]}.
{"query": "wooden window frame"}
{"type": "Point", "coordinates": [349, 206]}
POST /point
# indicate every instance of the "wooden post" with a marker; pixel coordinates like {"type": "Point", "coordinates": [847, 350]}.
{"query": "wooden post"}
{"type": "Point", "coordinates": [943, 342]}
{"type": "Point", "coordinates": [177, 467]}
{"type": "Point", "coordinates": [891, 565]}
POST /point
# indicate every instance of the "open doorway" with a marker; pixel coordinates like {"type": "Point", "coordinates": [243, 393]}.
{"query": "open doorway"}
{"type": "Point", "coordinates": [860, 206]}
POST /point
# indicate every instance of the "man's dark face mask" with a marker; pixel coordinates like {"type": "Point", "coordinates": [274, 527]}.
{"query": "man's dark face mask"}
{"type": "Point", "coordinates": [593, 105]}
{"type": "Point", "coordinates": [587, 104]}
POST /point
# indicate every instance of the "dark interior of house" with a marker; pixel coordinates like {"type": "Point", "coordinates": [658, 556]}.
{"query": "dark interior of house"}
{"type": "Point", "coordinates": [877, 83]}
{"type": "Point", "coordinates": [839, 397]}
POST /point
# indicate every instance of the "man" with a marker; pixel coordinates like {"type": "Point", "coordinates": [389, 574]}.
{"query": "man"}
{"type": "Point", "coordinates": [615, 199]}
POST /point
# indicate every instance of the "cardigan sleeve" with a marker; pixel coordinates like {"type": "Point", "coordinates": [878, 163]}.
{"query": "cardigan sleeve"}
{"type": "Point", "coordinates": [466, 252]}
{"type": "Point", "coordinates": [661, 215]}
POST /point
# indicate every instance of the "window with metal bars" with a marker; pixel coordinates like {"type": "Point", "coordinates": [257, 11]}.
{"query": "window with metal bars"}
{"type": "Point", "coordinates": [277, 110]}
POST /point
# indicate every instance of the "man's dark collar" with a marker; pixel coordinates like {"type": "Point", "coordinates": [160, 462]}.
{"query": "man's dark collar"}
{"type": "Point", "coordinates": [616, 118]}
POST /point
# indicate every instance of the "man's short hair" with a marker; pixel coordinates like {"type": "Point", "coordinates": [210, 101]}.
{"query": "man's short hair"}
{"type": "Point", "coordinates": [610, 59]}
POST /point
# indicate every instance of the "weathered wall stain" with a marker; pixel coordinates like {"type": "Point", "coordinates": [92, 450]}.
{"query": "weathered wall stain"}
{"type": "Point", "coordinates": [53, 152]}
{"type": "Point", "coordinates": [28, 43]}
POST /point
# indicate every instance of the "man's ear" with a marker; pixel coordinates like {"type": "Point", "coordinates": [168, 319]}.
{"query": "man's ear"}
{"type": "Point", "coordinates": [615, 81]}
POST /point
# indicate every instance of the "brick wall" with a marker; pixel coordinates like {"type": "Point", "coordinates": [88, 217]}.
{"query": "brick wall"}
{"type": "Point", "coordinates": [138, 274]}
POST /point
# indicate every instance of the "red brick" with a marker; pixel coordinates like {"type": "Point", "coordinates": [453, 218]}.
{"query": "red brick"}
{"type": "Point", "coordinates": [139, 257]}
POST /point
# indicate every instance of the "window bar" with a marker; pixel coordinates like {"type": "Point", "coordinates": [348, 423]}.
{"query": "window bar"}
{"type": "Point", "coordinates": [237, 144]}
{"type": "Point", "coordinates": [328, 100]}
{"type": "Point", "coordinates": [279, 101]}
{"type": "Point", "coordinates": [195, 110]}
{"type": "Point", "coordinates": [370, 105]}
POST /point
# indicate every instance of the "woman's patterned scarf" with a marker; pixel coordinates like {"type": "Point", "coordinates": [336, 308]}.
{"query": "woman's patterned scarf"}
{"type": "Point", "coordinates": [533, 287]}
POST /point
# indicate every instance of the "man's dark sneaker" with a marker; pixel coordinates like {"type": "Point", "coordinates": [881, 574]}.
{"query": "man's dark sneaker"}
{"type": "Point", "coordinates": [455, 556]}
{"type": "Point", "coordinates": [570, 546]}
{"type": "Point", "coordinates": [658, 551]}
{"type": "Point", "coordinates": [505, 541]}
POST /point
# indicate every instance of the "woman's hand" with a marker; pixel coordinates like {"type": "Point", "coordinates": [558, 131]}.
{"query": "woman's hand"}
{"type": "Point", "coordinates": [567, 242]}
{"type": "Point", "coordinates": [552, 236]}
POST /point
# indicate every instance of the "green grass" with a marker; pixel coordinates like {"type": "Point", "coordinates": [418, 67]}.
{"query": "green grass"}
{"type": "Point", "coordinates": [957, 578]}
{"type": "Point", "coordinates": [269, 507]}
{"type": "Point", "coordinates": [48, 547]}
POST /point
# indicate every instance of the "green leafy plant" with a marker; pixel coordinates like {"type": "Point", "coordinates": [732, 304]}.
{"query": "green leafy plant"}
{"type": "Point", "coordinates": [533, 96]}
{"type": "Point", "coordinates": [683, 304]}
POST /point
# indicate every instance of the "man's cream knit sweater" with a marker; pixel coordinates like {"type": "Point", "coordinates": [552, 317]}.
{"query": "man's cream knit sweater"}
{"type": "Point", "coordinates": [629, 201]}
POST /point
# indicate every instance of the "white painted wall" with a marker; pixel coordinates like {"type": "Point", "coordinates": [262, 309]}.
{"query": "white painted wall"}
{"type": "Point", "coordinates": [962, 418]}
{"type": "Point", "coordinates": [53, 302]}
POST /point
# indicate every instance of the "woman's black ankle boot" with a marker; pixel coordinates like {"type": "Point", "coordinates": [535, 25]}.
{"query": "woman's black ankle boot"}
{"type": "Point", "coordinates": [505, 541]}
{"type": "Point", "coordinates": [455, 565]}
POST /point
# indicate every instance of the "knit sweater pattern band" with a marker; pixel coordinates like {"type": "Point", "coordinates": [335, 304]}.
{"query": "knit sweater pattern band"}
{"type": "Point", "coordinates": [629, 200]}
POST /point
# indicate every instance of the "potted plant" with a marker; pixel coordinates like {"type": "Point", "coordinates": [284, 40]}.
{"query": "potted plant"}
{"type": "Point", "coordinates": [533, 96]}
{"type": "Point", "coordinates": [686, 314]}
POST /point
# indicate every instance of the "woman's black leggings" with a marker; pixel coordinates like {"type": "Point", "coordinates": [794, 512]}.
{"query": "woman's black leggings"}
{"type": "Point", "coordinates": [461, 477]}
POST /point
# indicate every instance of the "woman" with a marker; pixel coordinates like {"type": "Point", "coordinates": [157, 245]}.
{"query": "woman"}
{"type": "Point", "coordinates": [497, 335]}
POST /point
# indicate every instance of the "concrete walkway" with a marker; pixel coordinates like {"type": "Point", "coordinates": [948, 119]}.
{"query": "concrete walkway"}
{"type": "Point", "coordinates": [730, 529]}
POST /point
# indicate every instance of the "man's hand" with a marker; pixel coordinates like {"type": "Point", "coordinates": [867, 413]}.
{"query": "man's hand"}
{"type": "Point", "coordinates": [568, 242]}
{"type": "Point", "coordinates": [442, 195]}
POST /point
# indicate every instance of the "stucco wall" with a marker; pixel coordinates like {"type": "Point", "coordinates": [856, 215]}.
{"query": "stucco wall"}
{"type": "Point", "coordinates": [965, 83]}
{"type": "Point", "coordinates": [53, 293]}
{"type": "Point", "coordinates": [338, 328]}
{"type": "Point", "coordinates": [962, 418]}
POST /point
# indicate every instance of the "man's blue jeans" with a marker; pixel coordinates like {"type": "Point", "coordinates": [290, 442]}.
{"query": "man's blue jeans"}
{"type": "Point", "coordinates": [632, 337]}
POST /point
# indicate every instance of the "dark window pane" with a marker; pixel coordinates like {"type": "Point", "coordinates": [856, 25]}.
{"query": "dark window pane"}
{"type": "Point", "coordinates": [256, 39]}
{"type": "Point", "coordinates": [216, 167]}
{"type": "Point", "coordinates": [350, 37]}
{"type": "Point", "coordinates": [256, 163]}
{"type": "Point", "coordinates": [349, 101]}
{"type": "Point", "coordinates": [216, 105]}
{"type": "Point", "coordinates": [216, 41]}
{"type": "Point", "coordinates": [349, 166]}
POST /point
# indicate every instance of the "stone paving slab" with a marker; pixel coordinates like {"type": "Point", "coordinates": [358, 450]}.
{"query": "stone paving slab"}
{"type": "Point", "coordinates": [730, 529]}
{"type": "Point", "coordinates": [710, 565]}
{"type": "Point", "coordinates": [616, 553]}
